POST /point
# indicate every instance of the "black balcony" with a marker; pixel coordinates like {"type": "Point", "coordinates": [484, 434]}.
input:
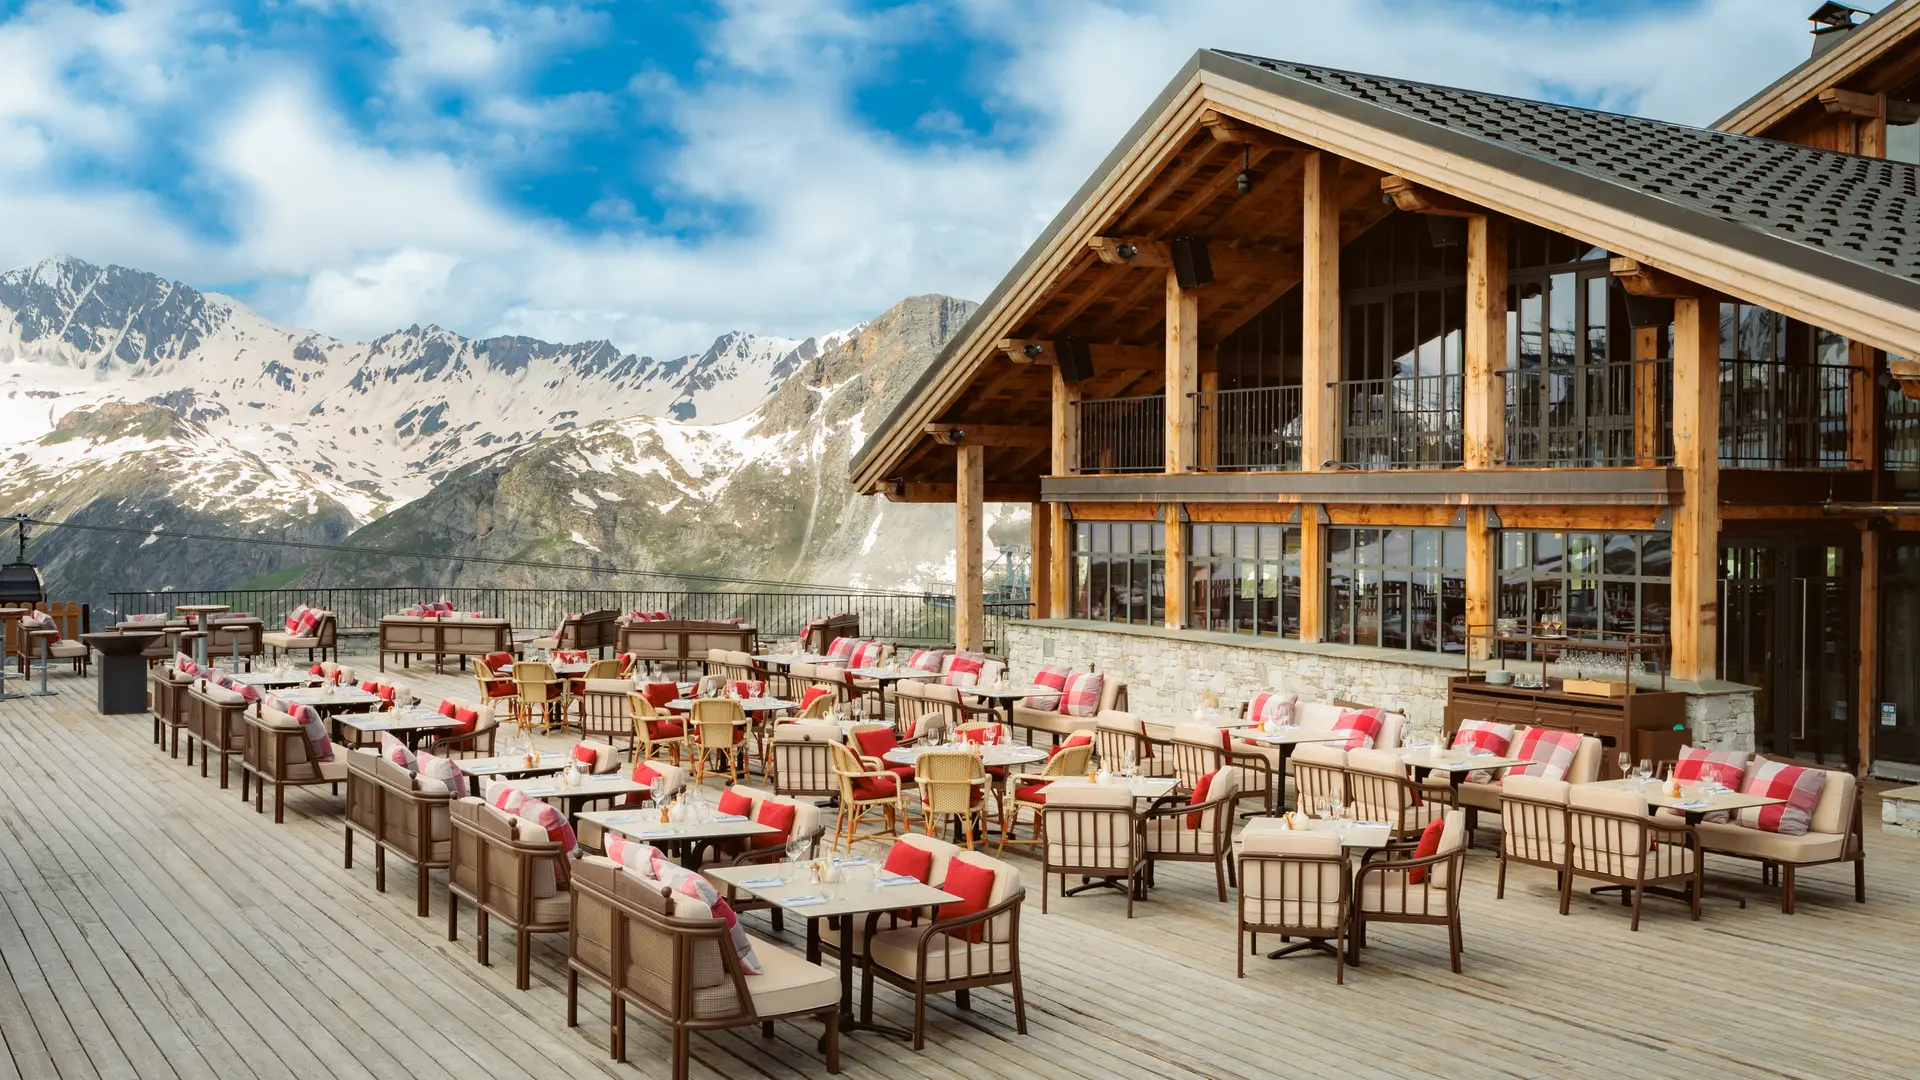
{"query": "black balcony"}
{"type": "Point", "coordinates": [1586, 416]}
{"type": "Point", "coordinates": [1251, 430]}
{"type": "Point", "coordinates": [1776, 415]}
{"type": "Point", "coordinates": [1405, 423]}
{"type": "Point", "coordinates": [1123, 435]}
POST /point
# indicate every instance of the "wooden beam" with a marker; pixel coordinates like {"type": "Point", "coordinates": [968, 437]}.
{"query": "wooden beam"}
{"type": "Point", "coordinates": [1840, 102]}
{"type": "Point", "coordinates": [1646, 396]}
{"type": "Point", "coordinates": [1205, 195]}
{"type": "Point", "coordinates": [939, 491]}
{"type": "Point", "coordinates": [1696, 521]}
{"type": "Point", "coordinates": [1106, 358]}
{"type": "Point", "coordinates": [1416, 199]}
{"type": "Point", "coordinates": [1320, 313]}
{"type": "Point", "coordinates": [1228, 262]}
{"type": "Point", "coordinates": [966, 433]}
{"type": "Point", "coordinates": [1066, 426]}
{"type": "Point", "coordinates": [1642, 280]}
{"type": "Point", "coordinates": [1170, 182]}
{"type": "Point", "coordinates": [1183, 374]}
{"type": "Point", "coordinates": [1482, 598]}
{"type": "Point", "coordinates": [1059, 566]}
{"type": "Point", "coordinates": [1313, 577]}
{"type": "Point", "coordinates": [1863, 391]}
{"type": "Point", "coordinates": [1040, 559]}
{"type": "Point", "coordinates": [1231, 132]}
{"type": "Point", "coordinates": [1582, 518]}
{"type": "Point", "coordinates": [1176, 584]}
{"type": "Point", "coordinates": [1869, 691]}
{"type": "Point", "coordinates": [969, 549]}
{"type": "Point", "coordinates": [1486, 346]}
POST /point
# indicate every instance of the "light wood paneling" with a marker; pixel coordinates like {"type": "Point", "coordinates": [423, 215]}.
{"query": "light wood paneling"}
{"type": "Point", "coordinates": [1183, 373]}
{"type": "Point", "coordinates": [1176, 585]}
{"type": "Point", "coordinates": [1313, 578]}
{"type": "Point", "coordinates": [1482, 601]}
{"type": "Point", "coordinates": [1040, 559]}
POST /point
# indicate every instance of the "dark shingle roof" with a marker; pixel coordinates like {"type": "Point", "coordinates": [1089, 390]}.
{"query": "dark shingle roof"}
{"type": "Point", "coordinates": [1862, 210]}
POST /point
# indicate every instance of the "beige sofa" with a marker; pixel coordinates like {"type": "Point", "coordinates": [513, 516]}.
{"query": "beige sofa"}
{"type": "Point", "coordinates": [407, 636]}
{"type": "Point", "coordinates": [1113, 698]}
{"type": "Point", "coordinates": [1834, 835]}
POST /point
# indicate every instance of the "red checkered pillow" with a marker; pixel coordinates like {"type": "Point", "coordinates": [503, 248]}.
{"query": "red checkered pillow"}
{"type": "Point", "coordinates": [293, 619]}
{"type": "Point", "coordinates": [1083, 693]}
{"type": "Point", "coordinates": [1275, 707]}
{"type": "Point", "coordinates": [1053, 677]}
{"type": "Point", "coordinates": [639, 616]}
{"type": "Point", "coordinates": [750, 688]}
{"type": "Point", "coordinates": [319, 743]}
{"type": "Point", "coordinates": [1483, 735]}
{"type": "Point", "coordinates": [505, 797]}
{"type": "Point", "coordinates": [569, 656]}
{"type": "Point", "coordinates": [1726, 767]}
{"type": "Point", "coordinates": [1550, 752]}
{"type": "Point", "coordinates": [434, 774]}
{"type": "Point", "coordinates": [309, 622]}
{"type": "Point", "coordinates": [632, 854]}
{"type": "Point", "coordinates": [868, 654]}
{"type": "Point", "coordinates": [963, 671]}
{"type": "Point", "coordinates": [558, 831]}
{"type": "Point", "coordinates": [247, 691]}
{"type": "Point", "coordinates": [1800, 787]}
{"type": "Point", "coordinates": [927, 660]}
{"type": "Point", "coordinates": [1365, 725]}
{"type": "Point", "coordinates": [184, 667]}
{"type": "Point", "coordinates": [686, 882]}
{"type": "Point", "coordinates": [396, 751]}
{"type": "Point", "coordinates": [661, 616]}
{"type": "Point", "coordinates": [842, 648]}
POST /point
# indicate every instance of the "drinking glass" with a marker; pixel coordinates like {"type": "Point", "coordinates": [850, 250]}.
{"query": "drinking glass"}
{"type": "Point", "coordinates": [1626, 764]}
{"type": "Point", "coordinates": [1322, 806]}
{"type": "Point", "coordinates": [1646, 769]}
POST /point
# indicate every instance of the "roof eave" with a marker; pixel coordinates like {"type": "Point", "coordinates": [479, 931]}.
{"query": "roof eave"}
{"type": "Point", "coordinates": [1865, 44]}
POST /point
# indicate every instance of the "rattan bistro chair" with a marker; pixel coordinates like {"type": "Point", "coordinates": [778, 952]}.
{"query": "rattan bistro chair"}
{"type": "Point", "coordinates": [276, 751]}
{"type": "Point", "coordinates": [1386, 889]}
{"type": "Point", "coordinates": [1028, 791]}
{"type": "Point", "coordinates": [1095, 832]}
{"type": "Point", "coordinates": [719, 731]}
{"type": "Point", "coordinates": [953, 784]}
{"type": "Point", "coordinates": [863, 792]}
{"type": "Point", "coordinates": [1610, 837]}
{"type": "Point", "coordinates": [654, 731]}
{"type": "Point", "coordinates": [543, 696]}
{"type": "Point", "coordinates": [505, 878]}
{"type": "Point", "coordinates": [493, 677]}
{"type": "Point", "coordinates": [1297, 884]}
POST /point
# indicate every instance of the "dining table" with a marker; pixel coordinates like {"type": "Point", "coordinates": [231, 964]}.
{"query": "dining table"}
{"type": "Point", "coordinates": [407, 724]}
{"type": "Point", "coordinates": [1002, 698]}
{"type": "Point", "coordinates": [992, 755]}
{"type": "Point", "coordinates": [1693, 805]}
{"type": "Point", "coordinates": [199, 614]}
{"type": "Point", "coordinates": [689, 838]}
{"type": "Point", "coordinates": [1283, 739]}
{"type": "Point", "coordinates": [1456, 765]}
{"type": "Point", "coordinates": [510, 767]}
{"type": "Point", "coordinates": [868, 894]}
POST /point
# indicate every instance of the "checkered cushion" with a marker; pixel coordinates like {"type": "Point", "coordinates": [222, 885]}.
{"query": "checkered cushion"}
{"type": "Point", "coordinates": [1054, 677]}
{"type": "Point", "coordinates": [927, 659]}
{"type": "Point", "coordinates": [1550, 752]}
{"type": "Point", "coordinates": [639, 616]}
{"type": "Point", "coordinates": [504, 796]}
{"type": "Point", "coordinates": [1276, 708]}
{"type": "Point", "coordinates": [247, 691]}
{"type": "Point", "coordinates": [558, 831]}
{"type": "Point", "coordinates": [436, 774]}
{"type": "Point", "coordinates": [868, 654]}
{"type": "Point", "coordinates": [396, 751]}
{"type": "Point", "coordinates": [309, 622]}
{"type": "Point", "coordinates": [1365, 725]}
{"type": "Point", "coordinates": [842, 648]}
{"type": "Point", "coordinates": [1800, 787]}
{"type": "Point", "coordinates": [1083, 693]}
{"type": "Point", "coordinates": [686, 882]}
{"type": "Point", "coordinates": [292, 622]}
{"type": "Point", "coordinates": [187, 669]}
{"type": "Point", "coordinates": [319, 743]}
{"type": "Point", "coordinates": [963, 671]}
{"type": "Point", "coordinates": [1483, 735]}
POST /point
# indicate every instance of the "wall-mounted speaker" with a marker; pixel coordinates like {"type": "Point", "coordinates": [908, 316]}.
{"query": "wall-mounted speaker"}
{"type": "Point", "coordinates": [1191, 266]}
{"type": "Point", "coordinates": [1645, 311]}
{"type": "Point", "coordinates": [1076, 360]}
{"type": "Point", "coordinates": [1445, 232]}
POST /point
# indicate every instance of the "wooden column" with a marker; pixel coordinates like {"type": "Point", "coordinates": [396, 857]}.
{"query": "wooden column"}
{"type": "Point", "coordinates": [1863, 427]}
{"type": "Point", "coordinates": [1066, 462]}
{"type": "Point", "coordinates": [1319, 370]}
{"type": "Point", "coordinates": [1646, 397]}
{"type": "Point", "coordinates": [1869, 710]}
{"type": "Point", "coordinates": [1481, 599]}
{"type": "Point", "coordinates": [1486, 347]}
{"type": "Point", "coordinates": [969, 548]}
{"type": "Point", "coordinates": [1696, 521]}
{"type": "Point", "coordinates": [1183, 373]}
{"type": "Point", "coordinates": [1040, 560]}
{"type": "Point", "coordinates": [1176, 568]}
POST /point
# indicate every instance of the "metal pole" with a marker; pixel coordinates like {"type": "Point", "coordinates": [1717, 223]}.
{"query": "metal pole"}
{"type": "Point", "coordinates": [46, 661]}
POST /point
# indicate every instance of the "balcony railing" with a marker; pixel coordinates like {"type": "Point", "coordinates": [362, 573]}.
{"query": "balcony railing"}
{"type": "Point", "coordinates": [1775, 415]}
{"type": "Point", "coordinates": [1123, 435]}
{"type": "Point", "coordinates": [1404, 423]}
{"type": "Point", "coordinates": [1573, 417]}
{"type": "Point", "coordinates": [1252, 430]}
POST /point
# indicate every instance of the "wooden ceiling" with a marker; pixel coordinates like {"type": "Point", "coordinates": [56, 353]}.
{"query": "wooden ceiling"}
{"type": "Point", "coordinates": [1254, 243]}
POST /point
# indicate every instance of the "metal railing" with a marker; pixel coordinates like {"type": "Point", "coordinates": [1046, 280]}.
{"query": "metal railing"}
{"type": "Point", "coordinates": [1123, 435]}
{"type": "Point", "coordinates": [1588, 416]}
{"type": "Point", "coordinates": [1413, 422]}
{"type": "Point", "coordinates": [1776, 415]}
{"type": "Point", "coordinates": [1900, 438]}
{"type": "Point", "coordinates": [1251, 430]}
{"type": "Point", "coordinates": [920, 618]}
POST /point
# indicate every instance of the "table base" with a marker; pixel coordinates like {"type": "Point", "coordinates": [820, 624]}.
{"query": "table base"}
{"type": "Point", "coordinates": [1089, 884]}
{"type": "Point", "coordinates": [1314, 944]}
{"type": "Point", "coordinates": [1626, 894]}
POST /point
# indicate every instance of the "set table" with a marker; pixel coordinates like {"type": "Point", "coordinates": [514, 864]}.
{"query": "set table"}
{"type": "Point", "coordinates": [509, 766]}
{"type": "Point", "coordinates": [198, 613]}
{"type": "Point", "coordinates": [689, 837]}
{"type": "Point", "coordinates": [331, 700]}
{"type": "Point", "coordinates": [1151, 788]}
{"type": "Point", "coordinates": [1693, 806]}
{"type": "Point", "coordinates": [994, 756]}
{"type": "Point", "coordinates": [1456, 764]}
{"type": "Point", "coordinates": [271, 680]}
{"type": "Point", "coordinates": [1284, 740]}
{"type": "Point", "coordinates": [1004, 699]}
{"type": "Point", "coordinates": [844, 901]}
{"type": "Point", "coordinates": [407, 723]}
{"type": "Point", "coordinates": [750, 705]}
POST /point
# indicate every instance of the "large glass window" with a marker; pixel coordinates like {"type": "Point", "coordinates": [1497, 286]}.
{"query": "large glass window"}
{"type": "Point", "coordinates": [1397, 588]}
{"type": "Point", "coordinates": [1403, 291]}
{"type": "Point", "coordinates": [1784, 387]}
{"type": "Point", "coordinates": [1120, 571]}
{"type": "Point", "coordinates": [1586, 580]}
{"type": "Point", "coordinates": [1245, 579]}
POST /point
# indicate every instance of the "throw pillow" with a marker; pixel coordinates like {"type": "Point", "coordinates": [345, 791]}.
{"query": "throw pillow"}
{"type": "Point", "coordinates": [732, 802]}
{"type": "Point", "coordinates": [1363, 723]}
{"type": "Point", "coordinates": [973, 884]}
{"type": "Point", "coordinates": [1200, 789]}
{"type": "Point", "coordinates": [914, 862]}
{"type": "Point", "coordinates": [1429, 845]}
{"type": "Point", "coordinates": [434, 773]}
{"type": "Point", "coordinates": [1276, 708]}
{"type": "Point", "coordinates": [1083, 693]}
{"type": "Point", "coordinates": [1550, 752]}
{"type": "Point", "coordinates": [1053, 677]}
{"type": "Point", "coordinates": [779, 817]}
{"type": "Point", "coordinates": [396, 751]}
{"type": "Point", "coordinates": [1801, 788]}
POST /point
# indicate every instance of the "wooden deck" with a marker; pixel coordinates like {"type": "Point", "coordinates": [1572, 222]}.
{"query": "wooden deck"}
{"type": "Point", "coordinates": [152, 925]}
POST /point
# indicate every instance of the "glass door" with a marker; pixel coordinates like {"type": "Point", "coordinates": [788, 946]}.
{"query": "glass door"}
{"type": "Point", "coordinates": [1790, 608]}
{"type": "Point", "coordinates": [1896, 722]}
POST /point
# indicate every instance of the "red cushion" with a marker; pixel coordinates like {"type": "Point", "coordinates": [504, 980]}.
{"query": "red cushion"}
{"type": "Point", "coordinates": [315, 670]}
{"type": "Point", "coordinates": [813, 694]}
{"type": "Point", "coordinates": [984, 736]}
{"type": "Point", "coordinates": [1033, 793]}
{"type": "Point", "coordinates": [644, 773]}
{"type": "Point", "coordinates": [659, 693]}
{"type": "Point", "coordinates": [502, 688]}
{"type": "Point", "coordinates": [914, 862]}
{"type": "Point", "coordinates": [665, 729]}
{"type": "Point", "coordinates": [626, 664]}
{"type": "Point", "coordinates": [973, 884]}
{"type": "Point", "coordinates": [904, 772]}
{"type": "Point", "coordinates": [448, 709]}
{"type": "Point", "coordinates": [778, 816]}
{"type": "Point", "coordinates": [1078, 738]}
{"type": "Point", "coordinates": [876, 787]}
{"type": "Point", "coordinates": [386, 693]}
{"type": "Point", "coordinates": [586, 755]}
{"type": "Point", "coordinates": [1199, 796]}
{"type": "Point", "coordinates": [876, 742]}
{"type": "Point", "coordinates": [368, 685]}
{"type": "Point", "coordinates": [749, 688]}
{"type": "Point", "coordinates": [468, 719]}
{"type": "Point", "coordinates": [732, 802]}
{"type": "Point", "coordinates": [1429, 845]}
{"type": "Point", "coordinates": [1365, 725]}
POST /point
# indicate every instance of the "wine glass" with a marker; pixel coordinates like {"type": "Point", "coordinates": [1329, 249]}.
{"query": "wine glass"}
{"type": "Point", "coordinates": [1646, 769]}
{"type": "Point", "coordinates": [1626, 764]}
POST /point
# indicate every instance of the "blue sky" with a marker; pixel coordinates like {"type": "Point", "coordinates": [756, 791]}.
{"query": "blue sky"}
{"type": "Point", "coordinates": [660, 171]}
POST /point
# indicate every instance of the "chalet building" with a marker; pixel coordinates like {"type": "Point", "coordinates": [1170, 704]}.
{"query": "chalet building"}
{"type": "Point", "coordinates": [1344, 384]}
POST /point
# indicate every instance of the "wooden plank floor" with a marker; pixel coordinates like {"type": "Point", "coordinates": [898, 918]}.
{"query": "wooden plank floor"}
{"type": "Point", "coordinates": [152, 925]}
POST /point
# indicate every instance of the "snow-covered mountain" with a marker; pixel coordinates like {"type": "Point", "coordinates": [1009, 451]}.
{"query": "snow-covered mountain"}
{"type": "Point", "coordinates": [132, 402]}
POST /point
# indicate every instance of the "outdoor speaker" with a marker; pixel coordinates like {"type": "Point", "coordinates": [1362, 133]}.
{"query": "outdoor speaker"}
{"type": "Point", "coordinates": [1191, 267]}
{"type": "Point", "coordinates": [1446, 232]}
{"type": "Point", "coordinates": [1645, 311]}
{"type": "Point", "coordinates": [1076, 360]}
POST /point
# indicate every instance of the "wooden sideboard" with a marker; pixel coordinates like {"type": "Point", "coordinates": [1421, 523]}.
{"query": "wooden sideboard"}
{"type": "Point", "coordinates": [1650, 723]}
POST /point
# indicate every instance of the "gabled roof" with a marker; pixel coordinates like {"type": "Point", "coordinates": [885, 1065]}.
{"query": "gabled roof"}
{"type": "Point", "coordinates": [1861, 47]}
{"type": "Point", "coordinates": [1832, 238]}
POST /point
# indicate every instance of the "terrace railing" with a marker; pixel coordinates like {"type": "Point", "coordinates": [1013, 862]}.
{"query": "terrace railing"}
{"type": "Point", "coordinates": [1589, 416]}
{"type": "Point", "coordinates": [1776, 415]}
{"type": "Point", "coordinates": [1251, 430]}
{"type": "Point", "coordinates": [1413, 422]}
{"type": "Point", "coordinates": [1123, 435]}
{"type": "Point", "coordinates": [919, 618]}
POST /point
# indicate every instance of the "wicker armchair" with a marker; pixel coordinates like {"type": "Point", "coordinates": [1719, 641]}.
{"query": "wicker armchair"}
{"type": "Point", "coordinates": [169, 694]}
{"type": "Point", "coordinates": [542, 694]}
{"type": "Point", "coordinates": [1095, 832]}
{"type": "Point", "coordinates": [385, 802]}
{"type": "Point", "coordinates": [507, 875]}
{"type": "Point", "coordinates": [719, 731]}
{"type": "Point", "coordinates": [1395, 885]}
{"type": "Point", "coordinates": [665, 954]}
{"type": "Point", "coordinates": [953, 784]}
{"type": "Point", "coordinates": [654, 731]}
{"type": "Point", "coordinates": [215, 718]}
{"type": "Point", "coordinates": [863, 790]}
{"type": "Point", "coordinates": [1297, 884]}
{"type": "Point", "coordinates": [1611, 838]}
{"type": "Point", "coordinates": [1028, 791]}
{"type": "Point", "coordinates": [275, 751]}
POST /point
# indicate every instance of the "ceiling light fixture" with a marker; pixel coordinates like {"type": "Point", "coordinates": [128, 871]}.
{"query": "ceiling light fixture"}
{"type": "Point", "coordinates": [1245, 180]}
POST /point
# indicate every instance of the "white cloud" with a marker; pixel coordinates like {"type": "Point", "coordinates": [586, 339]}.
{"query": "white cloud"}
{"type": "Point", "coordinates": [804, 217]}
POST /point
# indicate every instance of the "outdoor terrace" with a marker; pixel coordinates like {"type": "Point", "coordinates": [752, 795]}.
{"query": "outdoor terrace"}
{"type": "Point", "coordinates": [152, 925]}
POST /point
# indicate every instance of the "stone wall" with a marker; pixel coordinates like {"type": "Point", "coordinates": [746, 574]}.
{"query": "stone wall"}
{"type": "Point", "coordinates": [1167, 671]}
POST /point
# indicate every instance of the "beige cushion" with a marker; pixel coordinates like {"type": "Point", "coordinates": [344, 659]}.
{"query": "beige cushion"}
{"type": "Point", "coordinates": [557, 908]}
{"type": "Point", "coordinates": [608, 686]}
{"type": "Point", "coordinates": [66, 650]}
{"type": "Point", "coordinates": [1453, 837]}
{"type": "Point", "coordinates": [947, 956]}
{"type": "Point", "coordinates": [1739, 840]}
{"type": "Point", "coordinates": [1328, 754]}
{"type": "Point", "coordinates": [1834, 812]}
{"type": "Point", "coordinates": [1389, 894]}
{"type": "Point", "coordinates": [1289, 894]}
{"type": "Point", "coordinates": [1532, 832]}
{"type": "Point", "coordinates": [802, 731]}
{"type": "Point", "coordinates": [788, 984]}
{"type": "Point", "coordinates": [1091, 826]}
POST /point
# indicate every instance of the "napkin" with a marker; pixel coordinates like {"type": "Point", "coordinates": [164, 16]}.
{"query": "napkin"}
{"type": "Point", "coordinates": [1695, 804]}
{"type": "Point", "coordinates": [803, 901]}
{"type": "Point", "coordinates": [850, 860]}
{"type": "Point", "coordinates": [619, 819]}
{"type": "Point", "coordinates": [896, 879]}
{"type": "Point", "coordinates": [762, 883]}
{"type": "Point", "coordinates": [729, 817]}
{"type": "Point", "coordinates": [649, 834]}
